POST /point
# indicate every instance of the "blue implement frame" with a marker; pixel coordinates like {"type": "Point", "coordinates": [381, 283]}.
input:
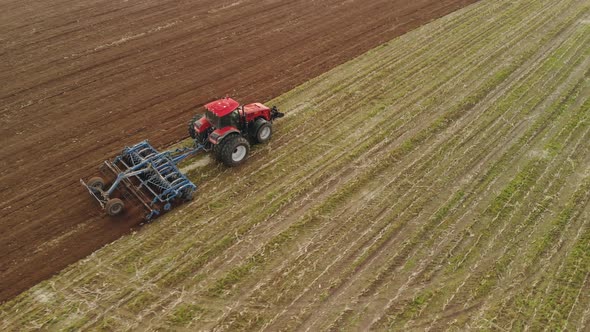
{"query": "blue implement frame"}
{"type": "Point", "coordinates": [151, 176]}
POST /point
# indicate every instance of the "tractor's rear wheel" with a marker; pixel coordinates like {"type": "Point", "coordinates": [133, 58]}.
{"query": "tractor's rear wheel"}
{"type": "Point", "coordinates": [262, 130]}
{"type": "Point", "coordinates": [234, 150]}
{"type": "Point", "coordinates": [217, 148]}
{"type": "Point", "coordinates": [114, 206]}
{"type": "Point", "coordinates": [96, 183]}
{"type": "Point", "coordinates": [191, 126]}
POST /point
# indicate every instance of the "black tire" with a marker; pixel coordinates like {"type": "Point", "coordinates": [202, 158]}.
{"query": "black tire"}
{"type": "Point", "coordinates": [262, 131]}
{"type": "Point", "coordinates": [217, 148]}
{"type": "Point", "coordinates": [191, 126]}
{"type": "Point", "coordinates": [234, 150]}
{"type": "Point", "coordinates": [187, 195]}
{"type": "Point", "coordinates": [96, 183]}
{"type": "Point", "coordinates": [114, 206]}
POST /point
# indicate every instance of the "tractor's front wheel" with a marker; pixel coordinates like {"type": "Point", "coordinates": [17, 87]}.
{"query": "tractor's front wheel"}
{"type": "Point", "coordinates": [114, 206]}
{"type": "Point", "coordinates": [234, 150]}
{"type": "Point", "coordinates": [262, 131]}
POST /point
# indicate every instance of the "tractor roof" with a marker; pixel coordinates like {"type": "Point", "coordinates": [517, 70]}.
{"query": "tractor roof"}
{"type": "Point", "coordinates": [222, 107]}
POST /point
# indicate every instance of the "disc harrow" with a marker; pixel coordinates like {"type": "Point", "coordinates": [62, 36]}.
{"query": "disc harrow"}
{"type": "Point", "coordinates": [152, 177]}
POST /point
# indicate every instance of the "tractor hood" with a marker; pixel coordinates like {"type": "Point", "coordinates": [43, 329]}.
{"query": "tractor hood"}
{"type": "Point", "coordinates": [222, 107]}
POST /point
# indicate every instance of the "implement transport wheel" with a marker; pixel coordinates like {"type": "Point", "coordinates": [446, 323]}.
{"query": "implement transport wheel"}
{"type": "Point", "coordinates": [96, 183]}
{"type": "Point", "coordinates": [187, 195]}
{"type": "Point", "coordinates": [114, 206]}
{"type": "Point", "coordinates": [262, 131]}
{"type": "Point", "coordinates": [234, 150]}
{"type": "Point", "coordinates": [191, 126]}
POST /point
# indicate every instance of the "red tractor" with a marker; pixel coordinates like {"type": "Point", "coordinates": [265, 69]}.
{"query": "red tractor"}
{"type": "Point", "coordinates": [227, 128]}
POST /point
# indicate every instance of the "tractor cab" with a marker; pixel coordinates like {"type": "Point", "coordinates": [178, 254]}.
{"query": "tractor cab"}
{"type": "Point", "coordinates": [222, 113]}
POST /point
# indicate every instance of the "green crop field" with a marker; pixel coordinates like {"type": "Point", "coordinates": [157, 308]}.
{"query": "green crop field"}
{"type": "Point", "coordinates": [440, 181]}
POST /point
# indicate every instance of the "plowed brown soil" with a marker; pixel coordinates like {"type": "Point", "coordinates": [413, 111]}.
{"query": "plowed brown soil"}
{"type": "Point", "coordinates": [82, 79]}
